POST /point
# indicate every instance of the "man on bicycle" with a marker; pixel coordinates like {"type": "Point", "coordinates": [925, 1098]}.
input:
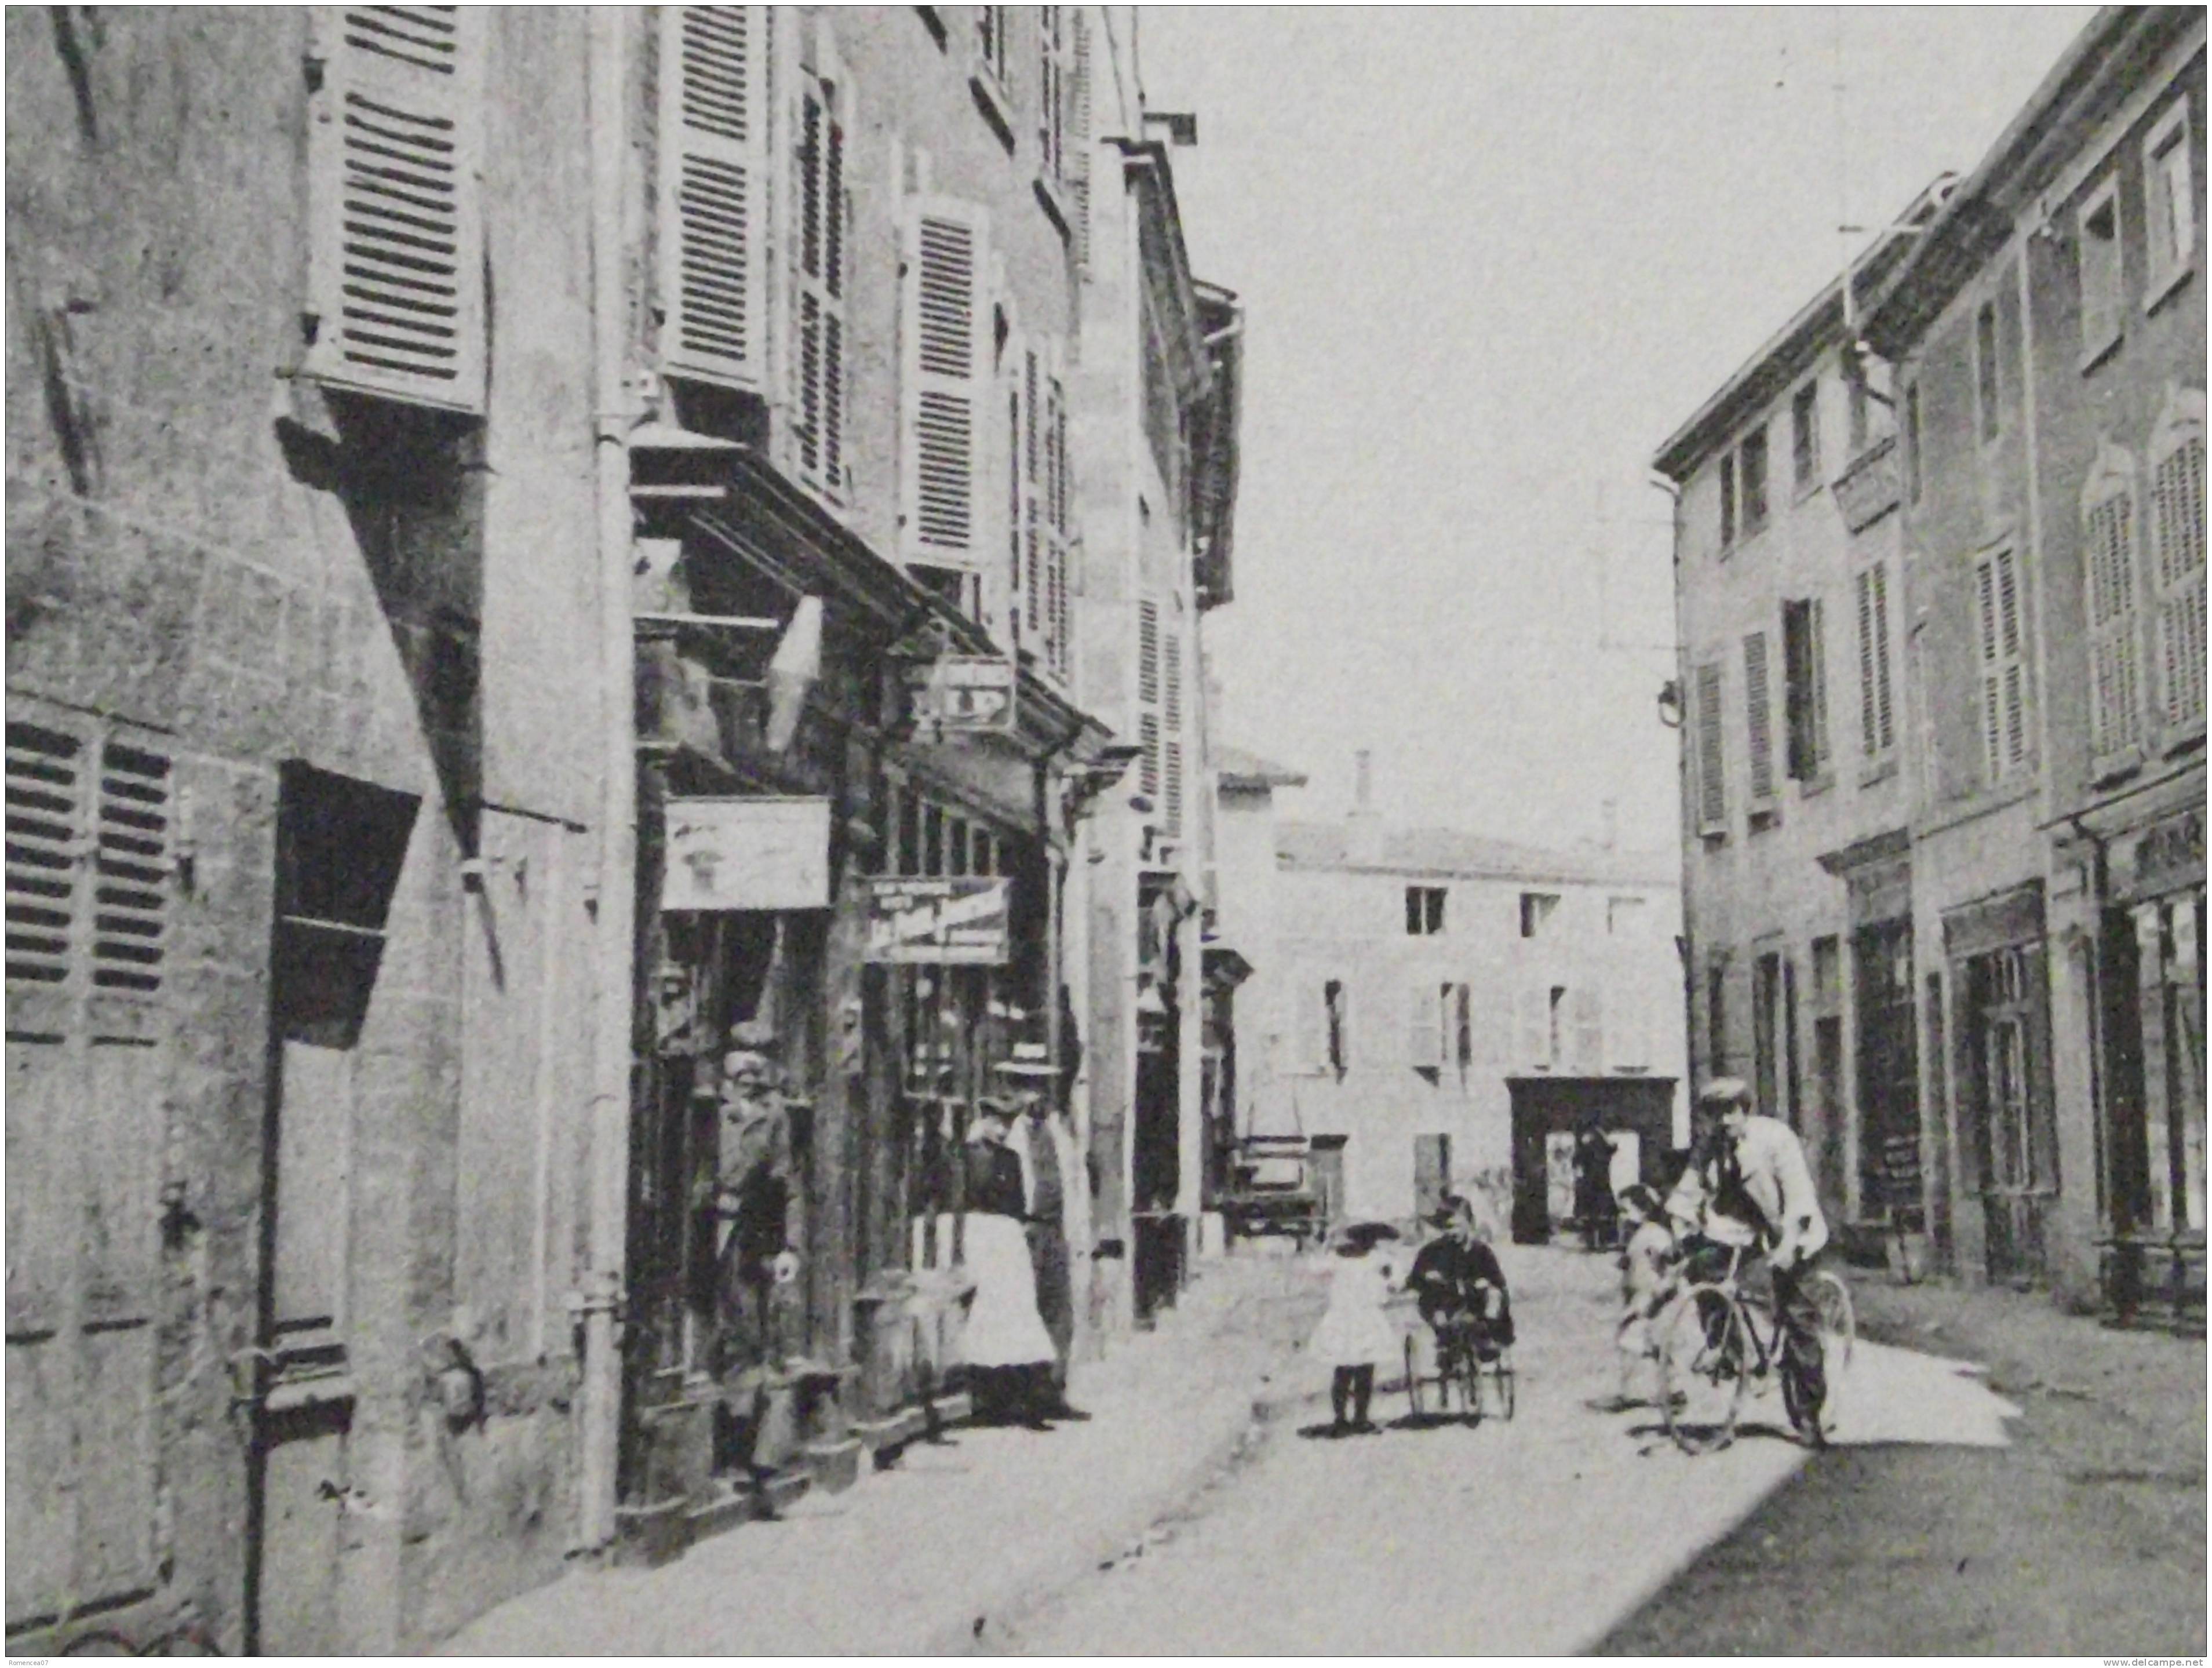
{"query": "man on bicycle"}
{"type": "Point", "coordinates": [1458, 1286]}
{"type": "Point", "coordinates": [1749, 1187]}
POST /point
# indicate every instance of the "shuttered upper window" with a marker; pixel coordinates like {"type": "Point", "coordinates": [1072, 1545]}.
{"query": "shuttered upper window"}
{"type": "Point", "coordinates": [1078, 138]}
{"type": "Point", "coordinates": [1758, 717]}
{"type": "Point", "coordinates": [713, 149]}
{"type": "Point", "coordinates": [941, 393]}
{"type": "Point", "coordinates": [1713, 783]}
{"type": "Point", "coordinates": [2108, 565]}
{"type": "Point", "coordinates": [88, 859]}
{"type": "Point", "coordinates": [2178, 535]}
{"type": "Point", "coordinates": [396, 204]}
{"type": "Point", "coordinates": [1877, 726]}
{"type": "Point", "coordinates": [819, 352]}
{"type": "Point", "coordinates": [2004, 674]}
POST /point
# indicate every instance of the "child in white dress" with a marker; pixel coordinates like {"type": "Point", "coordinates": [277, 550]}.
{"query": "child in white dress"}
{"type": "Point", "coordinates": [1355, 1331]}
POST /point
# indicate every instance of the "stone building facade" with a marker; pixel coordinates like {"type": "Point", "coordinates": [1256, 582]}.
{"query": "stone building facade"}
{"type": "Point", "coordinates": [1457, 1008]}
{"type": "Point", "coordinates": [539, 584]}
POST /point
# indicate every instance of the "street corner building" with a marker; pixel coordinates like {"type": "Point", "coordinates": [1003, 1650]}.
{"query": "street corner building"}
{"type": "Point", "coordinates": [605, 616]}
{"type": "Point", "coordinates": [1434, 1012]}
{"type": "Point", "coordinates": [1940, 568]}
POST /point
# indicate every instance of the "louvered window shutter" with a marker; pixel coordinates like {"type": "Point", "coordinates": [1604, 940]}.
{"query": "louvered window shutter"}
{"type": "Point", "coordinates": [2014, 670]}
{"type": "Point", "coordinates": [714, 200]}
{"type": "Point", "coordinates": [1171, 775]}
{"type": "Point", "coordinates": [1078, 136]}
{"type": "Point", "coordinates": [943, 340]}
{"type": "Point", "coordinates": [396, 196]}
{"type": "Point", "coordinates": [1148, 761]}
{"type": "Point", "coordinates": [819, 361]}
{"type": "Point", "coordinates": [1059, 648]}
{"type": "Point", "coordinates": [1712, 787]}
{"type": "Point", "coordinates": [1052, 93]}
{"type": "Point", "coordinates": [1986, 609]}
{"type": "Point", "coordinates": [1816, 673]}
{"type": "Point", "coordinates": [1876, 730]}
{"type": "Point", "coordinates": [2177, 508]}
{"type": "Point", "coordinates": [2004, 696]}
{"type": "Point", "coordinates": [1758, 717]}
{"type": "Point", "coordinates": [1148, 653]}
{"type": "Point", "coordinates": [1171, 678]}
{"type": "Point", "coordinates": [45, 793]}
{"type": "Point", "coordinates": [1036, 612]}
{"type": "Point", "coordinates": [1017, 427]}
{"type": "Point", "coordinates": [130, 869]}
{"type": "Point", "coordinates": [2108, 572]}
{"type": "Point", "coordinates": [1461, 1021]}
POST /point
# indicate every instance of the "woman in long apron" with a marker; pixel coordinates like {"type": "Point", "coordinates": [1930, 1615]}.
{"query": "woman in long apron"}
{"type": "Point", "coordinates": [1008, 1351]}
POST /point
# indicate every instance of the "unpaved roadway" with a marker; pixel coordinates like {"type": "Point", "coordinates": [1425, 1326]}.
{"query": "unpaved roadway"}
{"type": "Point", "coordinates": [1537, 1536]}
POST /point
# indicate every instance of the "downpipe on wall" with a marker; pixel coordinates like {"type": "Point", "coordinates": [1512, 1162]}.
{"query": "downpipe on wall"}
{"type": "Point", "coordinates": [612, 944]}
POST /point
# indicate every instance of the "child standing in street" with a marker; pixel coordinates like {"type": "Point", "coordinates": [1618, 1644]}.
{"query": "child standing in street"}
{"type": "Point", "coordinates": [1646, 1282]}
{"type": "Point", "coordinates": [1355, 1332]}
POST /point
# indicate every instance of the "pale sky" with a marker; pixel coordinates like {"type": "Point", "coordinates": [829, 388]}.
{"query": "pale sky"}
{"type": "Point", "coordinates": [1491, 259]}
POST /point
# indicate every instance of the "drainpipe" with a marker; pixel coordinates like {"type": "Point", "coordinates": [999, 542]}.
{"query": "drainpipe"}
{"type": "Point", "coordinates": [1685, 943]}
{"type": "Point", "coordinates": [613, 948]}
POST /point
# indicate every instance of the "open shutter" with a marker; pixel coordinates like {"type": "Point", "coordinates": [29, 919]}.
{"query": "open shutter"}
{"type": "Point", "coordinates": [1060, 658]}
{"type": "Point", "coordinates": [1079, 136]}
{"type": "Point", "coordinates": [1460, 1018]}
{"type": "Point", "coordinates": [1148, 761]}
{"type": "Point", "coordinates": [943, 340]}
{"type": "Point", "coordinates": [2177, 510]}
{"type": "Point", "coordinates": [713, 197]}
{"type": "Point", "coordinates": [824, 102]}
{"type": "Point", "coordinates": [1992, 690]}
{"type": "Point", "coordinates": [2015, 670]}
{"type": "Point", "coordinates": [2108, 572]}
{"type": "Point", "coordinates": [396, 204]}
{"type": "Point", "coordinates": [1589, 1010]}
{"type": "Point", "coordinates": [1758, 717]}
{"type": "Point", "coordinates": [1712, 788]}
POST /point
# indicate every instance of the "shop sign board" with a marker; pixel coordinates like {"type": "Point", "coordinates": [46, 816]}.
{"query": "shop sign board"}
{"type": "Point", "coordinates": [759, 853]}
{"type": "Point", "coordinates": [942, 920]}
{"type": "Point", "coordinates": [963, 693]}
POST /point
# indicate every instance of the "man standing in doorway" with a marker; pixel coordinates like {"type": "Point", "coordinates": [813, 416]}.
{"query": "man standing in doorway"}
{"type": "Point", "coordinates": [1038, 1136]}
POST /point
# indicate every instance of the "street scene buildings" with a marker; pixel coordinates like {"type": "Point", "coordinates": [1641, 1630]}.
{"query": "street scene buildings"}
{"type": "Point", "coordinates": [654, 1004]}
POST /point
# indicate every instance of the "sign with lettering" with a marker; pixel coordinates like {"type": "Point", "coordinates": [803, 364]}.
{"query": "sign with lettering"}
{"type": "Point", "coordinates": [747, 854]}
{"type": "Point", "coordinates": [945, 920]}
{"type": "Point", "coordinates": [963, 693]}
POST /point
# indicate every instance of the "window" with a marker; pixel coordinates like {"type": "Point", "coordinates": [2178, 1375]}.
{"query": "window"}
{"type": "Point", "coordinates": [820, 281]}
{"type": "Point", "coordinates": [1912, 459]}
{"type": "Point", "coordinates": [1877, 731]}
{"type": "Point", "coordinates": [1537, 909]}
{"type": "Point", "coordinates": [1805, 437]}
{"type": "Point", "coordinates": [1986, 386]}
{"type": "Point", "coordinates": [1038, 507]}
{"type": "Point", "coordinates": [396, 253]}
{"type": "Point", "coordinates": [2178, 543]}
{"type": "Point", "coordinates": [1728, 501]}
{"type": "Point", "coordinates": [2108, 574]}
{"type": "Point", "coordinates": [942, 341]}
{"type": "Point", "coordinates": [2004, 675]}
{"type": "Point", "coordinates": [2097, 261]}
{"type": "Point", "coordinates": [2170, 204]}
{"type": "Point", "coordinates": [1716, 1018]}
{"type": "Point", "coordinates": [1586, 1012]}
{"type": "Point", "coordinates": [1712, 787]}
{"type": "Point", "coordinates": [1805, 684]}
{"type": "Point", "coordinates": [1759, 717]}
{"type": "Point", "coordinates": [1424, 911]}
{"type": "Point", "coordinates": [1857, 401]}
{"type": "Point", "coordinates": [1426, 1015]}
{"type": "Point", "coordinates": [2013, 1142]}
{"type": "Point", "coordinates": [1755, 481]}
{"type": "Point", "coordinates": [1555, 1023]}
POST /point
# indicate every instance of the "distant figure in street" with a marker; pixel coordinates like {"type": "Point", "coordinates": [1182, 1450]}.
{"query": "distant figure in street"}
{"type": "Point", "coordinates": [1647, 1281]}
{"type": "Point", "coordinates": [1595, 1210]}
{"type": "Point", "coordinates": [1459, 1286]}
{"type": "Point", "coordinates": [1006, 1347]}
{"type": "Point", "coordinates": [1355, 1331]}
{"type": "Point", "coordinates": [1748, 1188]}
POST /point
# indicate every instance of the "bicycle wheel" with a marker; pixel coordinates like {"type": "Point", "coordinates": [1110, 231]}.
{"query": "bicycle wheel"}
{"type": "Point", "coordinates": [1705, 1354]}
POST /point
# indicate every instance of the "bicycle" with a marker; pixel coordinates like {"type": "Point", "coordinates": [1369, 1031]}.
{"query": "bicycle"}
{"type": "Point", "coordinates": [1462, 1367]}
{"type": "Point", "coordinates": [1710, 1350]}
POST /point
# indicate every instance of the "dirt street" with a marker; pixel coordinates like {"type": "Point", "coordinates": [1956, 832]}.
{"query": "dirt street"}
{"type": "Point", "coordinates": [1571, 1528]}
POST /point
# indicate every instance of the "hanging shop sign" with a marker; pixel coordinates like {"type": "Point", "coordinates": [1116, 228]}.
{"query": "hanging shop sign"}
{"type": "Point", "coordinates": [963, 693]}
{"type": "Point", "coordinates": [747, 854]}
{"type": "Point", "coordinates": [945, 920]}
